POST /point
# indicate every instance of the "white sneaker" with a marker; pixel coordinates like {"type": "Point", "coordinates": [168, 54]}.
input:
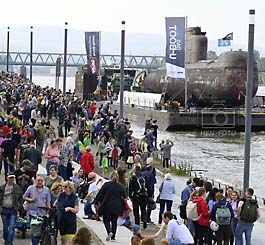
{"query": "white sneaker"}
{"type": "Point", "coordinates": [109, 236]}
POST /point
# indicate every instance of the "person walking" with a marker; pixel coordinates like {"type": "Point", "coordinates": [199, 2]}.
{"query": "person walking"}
{"type": "Point", "coordinates": [24, 177]}
{"type": "Point", "coordinates": [40, 133]}
{"type": "Point", "coordinates": [139, 192]}
{"type": "Point", "coordinates": [87, 161]}
{"type": "Point", "coordinates": [63, 158]}
{"type": "Point", "coordinates": [38, 196]}
{"type": "Point", "coordinates": [248, 213]}
{"type": "Point", "coordinates": [149, 171]}
{"type": "Point", "coordinates": [167, 189]}
{"type": "Point", "coordinates": [111, 195]}
{"type": "Point", "coordinates": [53, 177]}
{"type": "Point", "coordinates": [51, 155]}
{"type": "Point", "coordinates": [8, 147]}
{"type": "Point", "coordinates": [68, 206]}
{"type": "Point", "coordinates": [33, 155]}
{"type": "Point", "coordinates": [10, 203]}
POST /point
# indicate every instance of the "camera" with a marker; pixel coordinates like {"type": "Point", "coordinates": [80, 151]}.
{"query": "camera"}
{"type": "Point", "coordinates": [218, 117]}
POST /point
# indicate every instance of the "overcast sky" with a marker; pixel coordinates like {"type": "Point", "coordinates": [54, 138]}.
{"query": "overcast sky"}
{"type": "Point", "coordinates": [216, 17]}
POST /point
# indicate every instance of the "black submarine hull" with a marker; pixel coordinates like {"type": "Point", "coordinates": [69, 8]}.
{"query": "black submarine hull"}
{"type": "Point", "coordinates": [222, 81]}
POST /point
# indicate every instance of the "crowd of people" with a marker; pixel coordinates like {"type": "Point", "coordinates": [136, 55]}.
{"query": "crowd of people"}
{"type": "Point", "coordinates": [29, 136]}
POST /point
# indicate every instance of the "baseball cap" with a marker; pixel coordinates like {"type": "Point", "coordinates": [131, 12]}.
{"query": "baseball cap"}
{"type": "Point", "coordinates": [10, 175]}
{"type": "Point", "coordinates": [92, 175]}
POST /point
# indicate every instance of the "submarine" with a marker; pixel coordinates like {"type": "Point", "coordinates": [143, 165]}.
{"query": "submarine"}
{"type": "Point", "coordinates": [209, 82]}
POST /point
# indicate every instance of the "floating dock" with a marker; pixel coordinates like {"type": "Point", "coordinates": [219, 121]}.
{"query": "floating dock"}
{"type": "Point", "coordinates": [195, 119]}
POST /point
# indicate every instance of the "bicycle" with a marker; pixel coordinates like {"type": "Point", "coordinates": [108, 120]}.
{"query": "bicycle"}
{"type": "Point", "coordinates": [49, 230]}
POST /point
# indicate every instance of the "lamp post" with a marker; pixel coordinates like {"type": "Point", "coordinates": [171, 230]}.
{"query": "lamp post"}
{"type": "Point", "coordinates": [7, 50]}
{"type": "Point", "coordinates": [65, 58]}
{"type": "Point", "coordinates": [122, 67]}
{"type": "Point", "coordinates": [248, 99]}
{"type": "Point", "coordinates": [31, 50]}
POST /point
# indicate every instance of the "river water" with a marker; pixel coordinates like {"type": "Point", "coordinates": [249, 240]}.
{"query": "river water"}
{"type": "Point", "coordinates": [222, 157]}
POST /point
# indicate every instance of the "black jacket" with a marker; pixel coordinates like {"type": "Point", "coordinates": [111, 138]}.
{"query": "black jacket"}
{"type": "Point", "coordinates": [134, 186]}
{"type": "Point", "coordinates": [110, 199]}
{"type": "Point", "coordinates": [16, 195]}
{"type": "Point", "coordinates": [33, 155]}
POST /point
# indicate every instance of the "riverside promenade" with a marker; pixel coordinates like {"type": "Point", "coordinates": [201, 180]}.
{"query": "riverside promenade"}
{"type": "Point", "coordinates": [123, 234]}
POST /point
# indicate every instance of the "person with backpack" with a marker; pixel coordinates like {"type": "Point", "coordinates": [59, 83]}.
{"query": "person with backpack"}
{"type": "Point", "coordinates": [248, 213]}
{"type": "Point", "coordinates": [222, 214]}
{"type": "Point", "coordinates": [139, 192]}
{"type": "Point", "coordinates": [200, 215]}
{"type": "Point", "coordinates": [185, 196]}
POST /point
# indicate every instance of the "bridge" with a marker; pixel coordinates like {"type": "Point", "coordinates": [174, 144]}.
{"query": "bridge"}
{"type": "Point", "coordinates": [75, 60]}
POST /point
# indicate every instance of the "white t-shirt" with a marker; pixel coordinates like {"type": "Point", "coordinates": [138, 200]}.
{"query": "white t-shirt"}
{"type": "Point", "coordinates": [177, 230]}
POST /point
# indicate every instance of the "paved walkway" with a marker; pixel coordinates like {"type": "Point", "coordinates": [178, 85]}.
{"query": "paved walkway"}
{"type": "Point", "coordinates": [123, 234]}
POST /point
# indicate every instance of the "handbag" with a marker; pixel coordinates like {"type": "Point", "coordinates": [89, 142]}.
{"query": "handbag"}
{"type": "Point", "coordinates": [160, 189]}
{"type": "Point", "coordinates": [26, 206]}
{"type": "Point", "coordinates": [130, 160]}
{"type": "Point", "coordinates": [182, 211]}
{"type": "Point", "coordinates": [26, 203]}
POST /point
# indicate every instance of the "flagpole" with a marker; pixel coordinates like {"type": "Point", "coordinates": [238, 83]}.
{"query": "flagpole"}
{"type": "Point", "coordinates": [186, 82]}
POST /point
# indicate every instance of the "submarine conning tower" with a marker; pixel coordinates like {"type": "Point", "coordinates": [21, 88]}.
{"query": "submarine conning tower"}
{"type": "Point", "coordinates": [196, 45]}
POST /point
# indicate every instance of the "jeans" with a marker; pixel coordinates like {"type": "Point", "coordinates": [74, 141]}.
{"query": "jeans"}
{"type": "Point", "coordinates": [39, 144]}
{"type": "Point", "coordinates": [110, 218]}
{"type": "Point", "coordinates": [243, 227]}
{"type": "Point", "coordinates": [120, 138]}
{"type": "Point", "coordinates": [101, 154]}
{"type": "Point", "coordinates": [115, 163]}
{"type": "Point", "coordinates": [234, 223]}
{"type": "Point", "coordinates": [162, 208]}
{"type": "Point", "coordinates": [9, 217]}
{"type": "Point", "coordinates": [62, 172]}
{"type": "Point", "coordinates": [34, 239]}
{"type": "Point", "coordinates": [176, 242]}
{"type": "Point", "coordinates": [191, 226]}
{"type": "Point", "coordinates": [48, 164]}
{"type": "Point", "coordinates": [8, 167]}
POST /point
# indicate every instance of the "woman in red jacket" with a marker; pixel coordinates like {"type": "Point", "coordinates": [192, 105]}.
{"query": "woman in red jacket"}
{"type": "Point", "coordinates": [202, 225]}
{"type": "Point", "coordinates": [87, 162]}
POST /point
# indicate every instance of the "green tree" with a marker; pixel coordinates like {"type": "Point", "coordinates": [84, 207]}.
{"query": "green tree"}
{"type": "Point", "coordinates": [211, 55]}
